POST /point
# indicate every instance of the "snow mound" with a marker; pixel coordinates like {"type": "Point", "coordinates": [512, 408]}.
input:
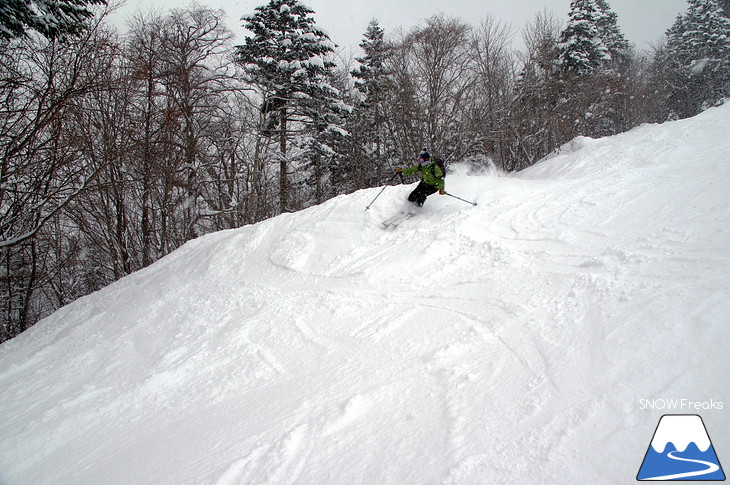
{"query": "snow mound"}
{"type": "Point", "coordinates": [505, 343]}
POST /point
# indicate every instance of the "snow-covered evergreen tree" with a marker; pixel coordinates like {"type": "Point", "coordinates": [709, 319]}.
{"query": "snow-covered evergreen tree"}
{"type": "Point", "coordinates": [372, 72]}
{"type": "Point", "coordinates": [51, 18]}
{"type": "Point", "coordinates": [593, 56]}
{"type": "Point", "coordinates": [286, 58]}
{"type": "Point", "coordinates": [697, 58]}
{"type": "Point", "coordinates": [581, 48]}
{"type": "Point", "coordinates": [610, 34]}
{"type": "Point", "coordinates": [372, 80]}
{"type": "Point", "coordinates": [725, 5]}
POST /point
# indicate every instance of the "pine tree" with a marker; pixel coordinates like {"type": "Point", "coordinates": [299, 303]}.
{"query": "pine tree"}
{"type": "Point", "coordinates": [286, 59]}
{"type": "Point", "coordinates": [612, 37]}
{"type": "Point", "coordinates": [697, 58]}
{"type": "Point", "coordinates": [593, 56]}
{"type": "Point", "coordinates": [581, 49]}
{"type": "Point", "coordinates": [372, 80]}
{"type": "Point", "coordinates": [371, 73]}
{"type": "Point", "coordinates": [52, 18]}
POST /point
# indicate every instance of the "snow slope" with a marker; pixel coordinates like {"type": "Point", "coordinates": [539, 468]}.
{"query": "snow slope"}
{"type": "Point", "coordinates": [511, 342]}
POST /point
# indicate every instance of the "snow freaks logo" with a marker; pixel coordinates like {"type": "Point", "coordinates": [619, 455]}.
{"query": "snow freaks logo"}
{"type": "Point", "coordinates": [680, 405]}
{"type": "Point", "coordinates": [681, 450]}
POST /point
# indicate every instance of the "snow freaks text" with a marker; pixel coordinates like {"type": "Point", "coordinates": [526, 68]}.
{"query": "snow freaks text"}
{"type": "Point", "coordinates": [679, 405]}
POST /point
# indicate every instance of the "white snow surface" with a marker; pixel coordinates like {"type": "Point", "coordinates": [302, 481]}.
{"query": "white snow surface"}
{"type": "Point", "coordinates": [505, 343]}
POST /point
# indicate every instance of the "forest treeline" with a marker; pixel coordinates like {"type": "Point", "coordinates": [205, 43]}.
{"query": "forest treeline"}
{"type": "Point", "coordinates": [118, 147]}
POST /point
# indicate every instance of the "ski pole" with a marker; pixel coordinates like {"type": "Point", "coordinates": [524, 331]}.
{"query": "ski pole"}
{"type": "Point", "coordinates": [463, 200]}
{"type": "Point", "coordinates": [381, 191]}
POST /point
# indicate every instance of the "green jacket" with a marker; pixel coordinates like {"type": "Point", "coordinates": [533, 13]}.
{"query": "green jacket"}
{"type": "Point", "coordinates": [431, 174]}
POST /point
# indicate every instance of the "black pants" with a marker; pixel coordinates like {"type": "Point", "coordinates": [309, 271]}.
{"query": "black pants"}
{"type": "Point", "coordinates": [419, 194]}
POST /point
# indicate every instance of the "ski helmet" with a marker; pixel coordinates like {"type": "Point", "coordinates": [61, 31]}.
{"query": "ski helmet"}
{"type": "Point", "coordinates": [424, 156]}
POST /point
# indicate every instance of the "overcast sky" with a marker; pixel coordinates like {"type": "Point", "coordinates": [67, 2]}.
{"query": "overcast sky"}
{"type": "Point", "coordinates": [643, 22]}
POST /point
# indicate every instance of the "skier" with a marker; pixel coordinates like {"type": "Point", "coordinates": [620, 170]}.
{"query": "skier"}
{"type": "Point", "coordinates": [432, 178]}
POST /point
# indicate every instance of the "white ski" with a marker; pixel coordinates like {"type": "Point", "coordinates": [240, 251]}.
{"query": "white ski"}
{"type": "Point", "coordinates": [397, 219]}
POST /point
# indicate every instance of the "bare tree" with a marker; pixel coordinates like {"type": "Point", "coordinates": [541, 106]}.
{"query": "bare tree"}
{"type": "Point", "coordinates": [403, 115]}
{"type": "Point", "coordinates": [442, 66]}
{"type": "Point", "coordinates": [536, 124]}
{"type": "Point", "coordinates": [144, 68]}
{"type": "Point", "coordinates": [193, 42]}
{"type": "Point", "coordinates": [40, 173]}
{"type": "Point", "coordinates": [493, 89]}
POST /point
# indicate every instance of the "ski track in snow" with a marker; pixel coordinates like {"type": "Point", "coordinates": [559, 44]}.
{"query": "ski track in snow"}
{"type": "Point", "coordinates": [503, 343]}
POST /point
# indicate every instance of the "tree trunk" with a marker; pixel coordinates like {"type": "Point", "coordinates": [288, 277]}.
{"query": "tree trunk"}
{"type": "Point", "coordinates": [283, 167]}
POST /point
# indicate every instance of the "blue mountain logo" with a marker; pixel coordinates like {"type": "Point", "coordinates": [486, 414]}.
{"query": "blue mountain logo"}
{"type": "Point", "coordinates": [681, 450]}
